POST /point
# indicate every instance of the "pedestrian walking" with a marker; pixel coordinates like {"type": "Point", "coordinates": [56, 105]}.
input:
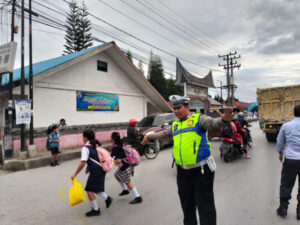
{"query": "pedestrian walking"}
{"type": "Point", "coordinates": [54, 145]}
{"type": "Point", "coordinates": [195, 165]}
{"type": "Point", "coordinates": [288, 146]}
{"type": "Point", "coordinates": [96, 180]}
{"type": "Point", "coordinates": [125, 171]}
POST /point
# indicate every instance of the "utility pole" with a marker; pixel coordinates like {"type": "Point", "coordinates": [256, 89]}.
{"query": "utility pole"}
{"type": "Point", "coordinates": [230, 65]}
{"type": "Point", "coordinates": [22, 73]}
{"type": "Point", "coordinates": [221, 89]}
{"type": "Point", "coordinates": [10, 88]}
{"type": "Point", "coordinates": [30, 74]}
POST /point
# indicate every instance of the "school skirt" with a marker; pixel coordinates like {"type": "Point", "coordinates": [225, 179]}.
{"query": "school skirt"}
{"type": "Point", "coordinates": [125, 176]}
{"type": "Point", "coordinates": [96, 181]}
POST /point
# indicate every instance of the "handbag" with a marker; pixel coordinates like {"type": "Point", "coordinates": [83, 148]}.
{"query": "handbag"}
{"type": "Point", "coordinates": [76, 193]}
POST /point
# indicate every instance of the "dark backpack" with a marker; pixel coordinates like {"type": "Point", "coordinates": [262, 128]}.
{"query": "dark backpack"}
{"type": "Point", "coordinates": [227, 131]}
{"type": "Point", "coordinates": [49, 131]}
{"type": "Point", "coordinates": [48, 143]}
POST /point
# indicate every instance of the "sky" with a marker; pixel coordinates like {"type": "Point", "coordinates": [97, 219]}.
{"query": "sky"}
{"type": "Point", "coordinates": [265, 33]}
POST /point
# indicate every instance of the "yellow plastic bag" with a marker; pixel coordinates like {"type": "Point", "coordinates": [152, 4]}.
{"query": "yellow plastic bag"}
{"type": "Point", "coordinates": [76, 193]}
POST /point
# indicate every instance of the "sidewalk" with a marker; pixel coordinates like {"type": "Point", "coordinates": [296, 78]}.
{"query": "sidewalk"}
{"type": "Point", "coordinates": [43, 159]}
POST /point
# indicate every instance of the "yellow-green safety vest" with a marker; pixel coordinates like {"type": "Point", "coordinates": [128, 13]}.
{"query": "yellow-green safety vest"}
{"type": "Point", "coordinates": [190, 143]}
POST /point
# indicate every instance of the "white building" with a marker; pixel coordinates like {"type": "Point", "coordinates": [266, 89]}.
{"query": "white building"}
{"type": "Point", "coordinates": [101, 69]}
{"type": "Point", "coordinates": [75, 86]}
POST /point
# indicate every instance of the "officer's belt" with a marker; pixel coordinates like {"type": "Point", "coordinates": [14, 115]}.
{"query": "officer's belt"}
{"type": "Point", "coordinates": [199, 164]}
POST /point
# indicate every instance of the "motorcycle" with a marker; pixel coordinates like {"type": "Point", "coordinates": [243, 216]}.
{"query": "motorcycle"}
{"type": "Point", "coordinates": [149, 150]}
{"type": "Point", "coordinates": [230, 149]}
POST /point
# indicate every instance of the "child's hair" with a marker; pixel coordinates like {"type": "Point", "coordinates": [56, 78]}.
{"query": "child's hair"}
{"type": "Point", "coordinates": [90, 135]}
{"type": "Point", "coordinates": [117, 138]}
{"type": "Point", "coordinates": [54, 127]}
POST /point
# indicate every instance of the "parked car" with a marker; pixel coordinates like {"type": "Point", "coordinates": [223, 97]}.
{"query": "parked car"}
{"type": "Point", "coordinates": [155, 123]}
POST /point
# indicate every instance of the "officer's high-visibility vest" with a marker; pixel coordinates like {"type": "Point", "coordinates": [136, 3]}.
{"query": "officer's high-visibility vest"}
{"type": "Point", "coordinates": [190, 143]}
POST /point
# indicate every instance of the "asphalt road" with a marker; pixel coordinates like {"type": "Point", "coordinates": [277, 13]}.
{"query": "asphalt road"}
{"type": "Point", "coordinates": [246, 193]}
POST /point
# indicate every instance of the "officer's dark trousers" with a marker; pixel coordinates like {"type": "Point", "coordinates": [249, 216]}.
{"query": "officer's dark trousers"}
{"type": "Point", "coordinates": [196, 190]}
{"type": "Point", "coordinates": [290, 170]}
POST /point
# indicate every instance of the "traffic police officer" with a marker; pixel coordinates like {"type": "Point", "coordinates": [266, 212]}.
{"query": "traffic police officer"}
{"type": "Point", "coordinates": [195, 165]}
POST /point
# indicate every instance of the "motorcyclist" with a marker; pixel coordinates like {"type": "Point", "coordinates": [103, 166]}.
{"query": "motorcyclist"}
{"type": "Point", "coordinates": [242, 121]}
{"type": "Point", "coordinates": [132, 134]}
{"type": "Point", "coordinates": [133, 138]}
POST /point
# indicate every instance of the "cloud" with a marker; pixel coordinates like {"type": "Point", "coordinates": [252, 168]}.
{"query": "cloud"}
{"type": "Point", "coordinates": [277, 31]}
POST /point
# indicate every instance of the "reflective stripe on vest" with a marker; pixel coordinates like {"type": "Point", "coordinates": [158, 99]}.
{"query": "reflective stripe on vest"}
{"type": "Point", "coordinates": [190, 143]}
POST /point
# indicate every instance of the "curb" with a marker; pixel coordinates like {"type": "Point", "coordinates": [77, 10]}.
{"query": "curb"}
{"type": "Point", "coordinates": [18, 164]}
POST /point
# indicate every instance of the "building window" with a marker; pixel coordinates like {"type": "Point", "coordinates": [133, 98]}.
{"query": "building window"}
{"type": "Point", "coordinates": [101, 66]}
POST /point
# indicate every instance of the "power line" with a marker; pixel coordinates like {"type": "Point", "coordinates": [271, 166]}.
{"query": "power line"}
{"type": "Point", "coordinates": [175, 25]}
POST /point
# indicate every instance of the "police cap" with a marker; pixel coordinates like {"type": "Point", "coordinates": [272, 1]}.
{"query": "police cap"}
{"type": "Point", "coordinates": [178, 101]}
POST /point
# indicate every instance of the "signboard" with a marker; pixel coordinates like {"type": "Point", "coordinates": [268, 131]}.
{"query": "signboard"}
{"type": "Point", "coordinates": [23, 111]}
{"type": "Point", "coordinates": [93, 101]}
{"type": "Point", "coordinates": [196, 91]}
{"type": "Point", "coordinates": [7, 57]}
{"type": "Point", "coordinates": [196, 103]}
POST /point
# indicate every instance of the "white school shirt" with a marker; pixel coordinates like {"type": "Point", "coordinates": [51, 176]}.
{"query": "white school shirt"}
{"type": "Point", "coordinates": [85, 153]}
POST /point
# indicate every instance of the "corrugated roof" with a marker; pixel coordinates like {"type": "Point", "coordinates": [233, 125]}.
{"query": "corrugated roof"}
{"type": "Point", "coordinates": [43, 66]}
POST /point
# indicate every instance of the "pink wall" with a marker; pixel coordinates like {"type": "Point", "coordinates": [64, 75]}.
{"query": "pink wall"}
{"type": "Point", "coordinates": [68, 140]}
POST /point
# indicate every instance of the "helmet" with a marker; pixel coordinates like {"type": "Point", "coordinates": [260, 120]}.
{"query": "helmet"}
{"type": "Point", "coordinates": [132, 122]}
{"type": "Point", "coordinates": [241, 114]}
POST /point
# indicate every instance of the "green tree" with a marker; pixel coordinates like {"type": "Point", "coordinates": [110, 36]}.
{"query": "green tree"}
{"type": "Point", "coordinates": [172, 89]}
{"type": "Point", "coordinates": [129, 55]}
{"type": "Point", "coordinates": [218, 98]}
{"type": "Point", "coordinates": [140, 67]}
{"type": "Point", "coordinates": [156, 75]}
{"type": "Point", "coordinates": [78, 35]}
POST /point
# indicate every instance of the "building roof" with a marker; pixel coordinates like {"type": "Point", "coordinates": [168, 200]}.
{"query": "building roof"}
{"type": "Point", "coordinates": [214, 102]}
{"type": "Point", "coordinates": [52, 66]}
{"type": "Point", "coordinates": [182, 76]}
{"type": "Point", "coordinates": [43, 66]}
{"type": "Point", "coordinates": [242, 105]}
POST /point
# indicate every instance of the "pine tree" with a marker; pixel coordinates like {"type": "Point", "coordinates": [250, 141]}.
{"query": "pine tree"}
{"type": "Point", "coordinates": [129, 55]}
{"type": "Point", "coordinates": [78, 36]}
{"type": "Point", "coordinates": [140, 67]}
{"type": "Point", "coordinates": [156, 75]}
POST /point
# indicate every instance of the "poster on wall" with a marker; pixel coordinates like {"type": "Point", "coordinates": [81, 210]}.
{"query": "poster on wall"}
{"type": "Point", "coordinates": [23, 111]}
{"type": "Point", "coordinates": [93, 101]}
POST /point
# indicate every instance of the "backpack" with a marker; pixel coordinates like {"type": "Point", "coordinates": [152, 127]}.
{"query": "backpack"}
{"type": "Point", "coordinates": [48, 143]}
{"type": "Point", "coordinates": [106, 161]}
{"type": "Point", "coordinates": [227, 131]}
{"type": "Point", "coordinates": [132, 156]}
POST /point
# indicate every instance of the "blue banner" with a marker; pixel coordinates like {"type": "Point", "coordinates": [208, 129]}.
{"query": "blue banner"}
{"type": "Point", "coordinates": [92, 101]}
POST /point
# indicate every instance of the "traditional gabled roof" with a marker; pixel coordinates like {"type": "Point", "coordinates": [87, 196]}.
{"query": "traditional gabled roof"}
{"type": "Point", "coordinates": [182, 75]}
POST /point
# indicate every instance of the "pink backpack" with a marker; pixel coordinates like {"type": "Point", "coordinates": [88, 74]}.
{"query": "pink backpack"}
{"type": "Point", "coordinates": [106, 161]}
{"type": "Point", "coordinates": [133, 157]}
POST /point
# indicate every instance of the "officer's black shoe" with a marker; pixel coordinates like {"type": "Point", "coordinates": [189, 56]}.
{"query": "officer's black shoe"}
{"type": "Point", "coordinates": [52, 164]}
{"type": "Point", "coordinates": [108, 202]}
{"type": "Point", "coordinates": [93, 212]}
{"type": "Point", "coordinates": [124, 192]}
{"type": "Point", "coordinates": [282, 210]}
{"type": "Point", "coordinates": [136, 200]}
{"type": "Point", "coordinates": [56, 163]}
